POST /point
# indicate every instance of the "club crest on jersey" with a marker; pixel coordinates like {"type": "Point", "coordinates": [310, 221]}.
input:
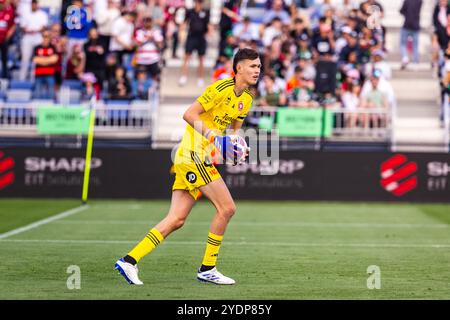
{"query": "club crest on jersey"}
{"type": "Point", "coordinates": [240, 106]}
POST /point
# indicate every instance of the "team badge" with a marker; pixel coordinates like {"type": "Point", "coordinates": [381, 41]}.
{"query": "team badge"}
{"type": "Point", "coordinates": [240, 106]}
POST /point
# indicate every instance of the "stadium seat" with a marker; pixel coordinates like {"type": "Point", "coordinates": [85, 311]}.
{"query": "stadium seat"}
{"type": "Point", "coordinates": [21, 84]}
{"type": "Point", "coordinates": [74, 97]}
{"type": "Point", "coordinates": [19, 95]}
{"type": "Point", "coordinates": [72, 84]}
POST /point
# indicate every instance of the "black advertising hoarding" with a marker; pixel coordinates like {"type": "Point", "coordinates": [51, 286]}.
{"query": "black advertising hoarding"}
{"type": "Point", "coordinates": [119, 173]}
{"type": "Point", "coordinates": [115, 173]}
{"type": "Point", "coordinates": [346, 176]}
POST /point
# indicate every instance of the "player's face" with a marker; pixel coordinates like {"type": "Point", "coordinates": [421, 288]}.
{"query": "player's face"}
{"type": "Point", "coordinates": [250, 70]}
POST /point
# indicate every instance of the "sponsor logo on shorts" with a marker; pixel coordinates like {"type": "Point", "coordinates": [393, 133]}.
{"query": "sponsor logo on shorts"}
{"type": "Point", "coordinates": [191, 177]}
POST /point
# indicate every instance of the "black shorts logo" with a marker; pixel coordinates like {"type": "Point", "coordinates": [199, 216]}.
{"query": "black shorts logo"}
{"type": "Point", "coordinates": [191, 177]}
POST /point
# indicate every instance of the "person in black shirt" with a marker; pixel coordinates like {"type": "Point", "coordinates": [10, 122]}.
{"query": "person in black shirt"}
{"type": "Point", "coordinates": [95, 57]}
{"type": "Point", "coordinates": [227, 18]}
{"type": "Point", "coordinates": [198, 20]}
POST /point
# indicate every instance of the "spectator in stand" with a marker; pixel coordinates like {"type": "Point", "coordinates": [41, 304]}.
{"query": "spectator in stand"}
{"type": "Point", "coordinates": [246, 30]}
{"type": "Point", "coordinates": [294, 81]}
{"type": "Point", "coordinates": [111, 65]}
{"type": "Point", "coordinates": [150, 43]}
{"type": "Point", "coordinates": [351, 47]}
{"type": "Point", "coordinates": [379, 62]}
{"type": "Point", "coordinates": [198, 30]}
{"type": "Point", "coordinates": [75, 63]}
{"type": "Point", "coordinates": [343, 40]}
{"type": "Point", "coordinates": [78, 22]}
{"type": "Point", "coordinates": [441, 34]}
{"type": "Point", "coordinates": [7, 29]}
{"type": "Point", "coordinates": [119, 87]}
{"type": "Point", "coordinates": [231, 45]}
{"type": "Point", "coordinates": [153, 9]}
{"type": "Point", "coordinates": [122, 36]}
{"type": "Point", "coordinates": [59, 43]}
{"type": "Point", "coordinates": [351, 76]}
{"type": "Point", "coordinates": [351, 102]}
{"type": "Point", "coordinates": [302, 95]}
{"type": "Point", "coordinates": [303, 47]}
{"type": "Point", "coordinates": [45, 58]}
{"type": "Point", "coordinates": [228, 17]}
{"type": "Point", "coordinates": [172, 25]}
{"type": "Point", "coordinates": [375, 95]}
{"type": "Point", "coordinates": [273, 30]}
{"type": "Point", "coordinates": [278, 11]}
{"type": "Point", "coordinates": [270, 95]}
{"type": "Point", "coordinates": [411, 28]}
{"type": "Point", "coordinates": [141, 86]}
{"type": "Point", "coordinates": [323, 39]}
{"type": "Point", "coordinates": [223, 70]}
{"type": "Point", "coordinates": [299, 29]}
{"type": "Point", "coordinates": [369, 41]}
{"type": "Point", "coordinates": [32, 24]}
{"type": "Point", "coordinates": [105, 20]}
{"type": "Point", "coordinates": [89, 86]}
{"type": "Point", "coordinates": [95, 54]}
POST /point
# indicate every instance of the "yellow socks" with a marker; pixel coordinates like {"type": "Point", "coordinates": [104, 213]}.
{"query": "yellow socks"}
{"type": "Point", "coordinates": [212, 250]}
{"type": "Point", "coordinates": [150, 242]}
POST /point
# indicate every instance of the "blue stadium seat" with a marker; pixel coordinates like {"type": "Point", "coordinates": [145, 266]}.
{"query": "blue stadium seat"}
{"type": "Point", "coordinates": [19, 95]}
{"type": "Point", "coordinates": [21, 84]}
{"type": "Point", "coordinates": [73, 84]}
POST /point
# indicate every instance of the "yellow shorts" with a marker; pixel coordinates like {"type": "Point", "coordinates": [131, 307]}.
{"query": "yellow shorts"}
{"type": "Point", "coordinates": [193, 172]}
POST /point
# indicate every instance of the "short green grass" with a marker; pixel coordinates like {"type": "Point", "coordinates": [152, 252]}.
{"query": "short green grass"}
{"type": "Point", "coordinates": [274, 250]}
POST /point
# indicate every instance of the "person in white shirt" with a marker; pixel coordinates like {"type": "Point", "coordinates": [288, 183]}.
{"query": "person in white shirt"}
{"type": "Point", "coordinates": [379, 62]}
{"type": "Point", "coordinates": [150, 43]}
{"type": "Point", "coordinates": [246, 30]}
{"type": "Point", "coordinates": [32, 25]}
{"type": "Point", "coordinates": [105, 20]}
{"type": "Point", "coordinates": [377, 93]}
{"type": "Point", "coordinates": [122, 35]}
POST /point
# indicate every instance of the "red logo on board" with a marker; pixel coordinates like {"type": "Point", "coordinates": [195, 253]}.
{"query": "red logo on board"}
{"type": "Point", "coordinates": [398, 175]}
{"type": "Point", "coordinates": [6, 173]}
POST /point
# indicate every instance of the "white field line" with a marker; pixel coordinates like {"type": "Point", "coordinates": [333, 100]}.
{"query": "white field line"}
{"type": "Point", "coordinates": [39, 223]}
{"type": "Point", "coordinates": [241, 243]}
{"type": "Point", "coordinates": [272, 224]}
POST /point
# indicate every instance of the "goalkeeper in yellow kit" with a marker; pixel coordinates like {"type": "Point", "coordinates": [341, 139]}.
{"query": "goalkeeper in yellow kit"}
{"type": "Point", "coordinates": [224, 104]}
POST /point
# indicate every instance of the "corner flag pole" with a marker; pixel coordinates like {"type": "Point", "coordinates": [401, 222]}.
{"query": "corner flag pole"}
{"type": "Point", "coordinates": [87, 162]}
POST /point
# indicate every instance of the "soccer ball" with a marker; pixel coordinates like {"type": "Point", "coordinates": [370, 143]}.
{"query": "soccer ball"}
{"type": "Point", "coordinates": [241, 150]}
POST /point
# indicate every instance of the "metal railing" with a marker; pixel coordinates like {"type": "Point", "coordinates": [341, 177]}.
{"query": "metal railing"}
{"type": "Point", "coordinates": [359, 125]}
{"type": "Point", "coordinates": [127, 120]}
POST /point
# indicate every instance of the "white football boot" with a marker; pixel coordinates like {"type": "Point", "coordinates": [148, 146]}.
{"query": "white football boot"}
{"type": "Point", "coordinates": [128, 271]}
{"type": "Point", "coordinates": [214, 276]}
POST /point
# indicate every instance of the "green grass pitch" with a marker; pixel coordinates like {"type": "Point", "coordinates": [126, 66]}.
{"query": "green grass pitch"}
{"type": "Point", "coordinates": [274, 250]}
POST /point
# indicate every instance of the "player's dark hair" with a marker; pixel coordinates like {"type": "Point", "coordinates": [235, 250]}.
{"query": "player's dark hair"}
{"type": "Point", "coordinates": [244, 54]}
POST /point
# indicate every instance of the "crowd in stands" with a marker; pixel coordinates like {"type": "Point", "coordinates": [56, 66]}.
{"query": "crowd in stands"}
{"type": "Point", "coordinates": [113, 48]}
{"type": "Point", "coordinates": [314, 52]}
